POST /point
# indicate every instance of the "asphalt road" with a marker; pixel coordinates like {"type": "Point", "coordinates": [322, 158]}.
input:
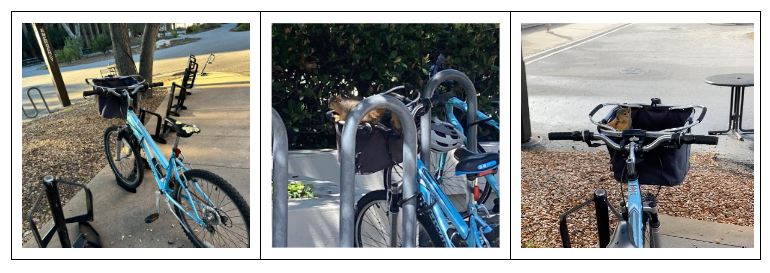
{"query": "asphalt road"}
{"type": "Point", "coordinates": [639, 62]}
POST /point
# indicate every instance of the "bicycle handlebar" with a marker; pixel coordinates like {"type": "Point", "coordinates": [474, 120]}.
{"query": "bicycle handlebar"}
{"type": "Point", "coordinates": [675, 138]}
{"type": "Point", "coordinates": [115, 91]}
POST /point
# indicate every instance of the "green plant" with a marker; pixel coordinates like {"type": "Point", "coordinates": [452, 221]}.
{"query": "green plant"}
{"type": "Point", "coordinates": [298, 189]}
{"type": "Point", "coordinates": [193, 28]}
{"type": "Point", "coordinates": [241, 27]}
{"type": "Point", "coordinates": [71, 50]}
{"type": "Point", "coordinates": [101, 43]}
{"type": "Point", "coordinates": [311, 62]}
{"type": "Point", "coordinates": [174, 33]}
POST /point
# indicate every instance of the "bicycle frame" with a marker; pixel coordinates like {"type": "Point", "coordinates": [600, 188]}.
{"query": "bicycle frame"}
{"type": "Point", "coordinates": [634, 206]}
{"type": "Point", "coordinates": [172, 166]}
{"type": "Point", "coordinates": [445, 213]}
{"type": "Point", "coordinates": [455, 103]}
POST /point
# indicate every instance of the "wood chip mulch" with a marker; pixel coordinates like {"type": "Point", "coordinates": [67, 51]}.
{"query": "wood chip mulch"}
{"type": "Point", "coordinates": [555, 181]}
{"type": "Point", "coordinates": [69, 145]}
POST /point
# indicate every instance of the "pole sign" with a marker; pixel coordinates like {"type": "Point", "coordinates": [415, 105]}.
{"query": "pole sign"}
{"type": "Point", "coordinates": [50, 61]}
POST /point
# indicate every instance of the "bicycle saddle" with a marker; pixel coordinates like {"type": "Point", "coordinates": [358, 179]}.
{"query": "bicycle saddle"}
{"type": "Point", "coordinates": [475, 163]}
{"type": "Point", "coordinates": [186, 130]}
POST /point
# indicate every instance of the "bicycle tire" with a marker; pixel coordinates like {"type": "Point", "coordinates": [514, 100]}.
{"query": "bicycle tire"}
{"type": "Point", "coordinates": [378, 198]}
{"type": "Point", "coordinates": [230, 192]}
{"type": "Point", "coordinates": [133, 179]}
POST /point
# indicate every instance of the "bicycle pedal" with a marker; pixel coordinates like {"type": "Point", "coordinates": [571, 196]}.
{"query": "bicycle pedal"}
{"type": "Point", "coordinates": [151, 218]}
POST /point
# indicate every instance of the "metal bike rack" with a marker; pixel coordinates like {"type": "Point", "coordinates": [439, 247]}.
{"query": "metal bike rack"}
{"type": "Point", "coordinates": [602, 209]}
{"type": "Point", "coordinates": [470, 98]}
{"type": "Point", "coordinates": [188, 81]}
{"type": "Point", "coordinates": [108, 72]}
{"type": "Point", "coordinates": [208, 61]}
{"type": "Point", "coordinates": [347, 169]}
{"type": "Point", "coordinates": [87, 237]}
{"type": "Point", "coordinates": [34, 106]}
{"type": "Point", "coordinates": [280, 181]}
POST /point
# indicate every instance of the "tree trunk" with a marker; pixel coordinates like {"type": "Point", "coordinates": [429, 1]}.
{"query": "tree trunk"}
{"type": "Point", "coordinates": [87, 35]}
{"type": "Point", "coordinates": [121, 49]}
{"type": "Point", "coordinates": [68, 30]}
{"type": "Point", "coordinates": [149, 36]}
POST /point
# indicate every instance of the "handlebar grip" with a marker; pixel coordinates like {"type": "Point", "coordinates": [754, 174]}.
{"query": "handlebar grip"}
{"type": "Point", "coordinates": [156, 84]}
{"type": "Point", "coordinates": [576, 136]}
{"type": "Point", "coordinates": [90, 93]}
{"type": "Point", "coordinates": [698, 139]}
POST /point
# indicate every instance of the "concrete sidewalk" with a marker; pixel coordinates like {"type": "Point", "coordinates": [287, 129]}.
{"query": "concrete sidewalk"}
{"type": "Point", "coordinates": [539, 38]}
{"type": "Point", "coordinates": [221, 110]}
{"type": "Point", "coordinates": [315, 222]}
{"type": "Point", "coordinates": [679, 232]}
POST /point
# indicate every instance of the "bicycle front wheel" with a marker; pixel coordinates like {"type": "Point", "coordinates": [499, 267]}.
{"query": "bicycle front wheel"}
{"type": "Point", "coordinates": [373, 226]}
{"type": "Point", "coordinates": [123, 155]}
{"type": "Point", "coordinates": [221, 210]}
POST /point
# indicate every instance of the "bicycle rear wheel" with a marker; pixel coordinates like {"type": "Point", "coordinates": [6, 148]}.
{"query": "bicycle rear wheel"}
{"type": "Point", "coordinates": [373, 223]}
{"type": "Point", "coordinates": [224, 212]}
{"type": "Point", "coordinates": [123, 155]}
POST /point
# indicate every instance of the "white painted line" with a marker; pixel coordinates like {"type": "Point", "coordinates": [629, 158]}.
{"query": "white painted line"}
{"type": "Point", "coordinates": [574, 44]}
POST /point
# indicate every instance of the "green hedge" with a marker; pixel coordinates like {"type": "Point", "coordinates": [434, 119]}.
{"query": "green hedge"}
{"type": "Point", "coordinates": [71, 50]}
{"type": "Point", "coordinates": [312, 62]}
{"type": "Point", "coordinates": [101, 43]}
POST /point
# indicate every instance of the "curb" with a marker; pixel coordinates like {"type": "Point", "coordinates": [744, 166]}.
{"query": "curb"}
{"type": "Point", "coordinates": [552, 51]}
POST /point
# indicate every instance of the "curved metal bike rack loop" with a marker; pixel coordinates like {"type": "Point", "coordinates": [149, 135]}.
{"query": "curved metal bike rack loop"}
{"type": "Point", "coordinates": [347, 170]}
{"type": "Point", "coordinates": [34, 106]}
{"type": "Point", "coordinates": [470, 98]}
{"type": "Point", "coordinates": [280, 181]}
{"type": "Point", "coordinates": [208, 61]}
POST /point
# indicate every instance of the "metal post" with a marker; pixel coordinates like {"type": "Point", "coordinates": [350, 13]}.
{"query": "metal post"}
{"type": "Point", "coordinates": [526, 126]}
{"type": "Point", "coordinates": [602, 217]}
{"type": "Point", "coordinates": [470, 98]}
{"type": "Point", "coordinates": [52, 194]}
{"type": "Point", "coordinates": [50, 61]}
{"type": "Point", "coordinates": [280, 181]}
{"type": "Point", "coordinates": [347, 170]}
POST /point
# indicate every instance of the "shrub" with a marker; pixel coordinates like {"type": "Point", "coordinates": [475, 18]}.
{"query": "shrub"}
{"type": "Point", "coordinates": [101, 43]}
{"type": "Point", "coordinates": [299, 190]}
{"type": "Point", "coordinates": [241, 27]}
{"type": "Point", "coordinates": [71, 50]}
{"type": "Point", "coordinates": [193, 29]}
{"type": "Point", "coordinates": [311, 62]}
{"type": "Point", "coordinates": [174, 33]}
{"type": "Point", "coordinates": [202, 27]}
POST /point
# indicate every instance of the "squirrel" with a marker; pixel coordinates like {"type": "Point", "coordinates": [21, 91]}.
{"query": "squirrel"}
{"type": "Point", "coordinates": [622, 120]}
{"type": "Point", "coordinates": [341, 107]}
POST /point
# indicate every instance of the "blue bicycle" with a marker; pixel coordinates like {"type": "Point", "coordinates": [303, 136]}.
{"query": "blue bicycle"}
{"type": "Point", "coordinates": [443, 163]}
{"type": "Point", "coordinates": [209, 210]}
{"type": "Point", "coordinates": [653, 150]}
{"type": "Point", "coordinates": [441, 223]}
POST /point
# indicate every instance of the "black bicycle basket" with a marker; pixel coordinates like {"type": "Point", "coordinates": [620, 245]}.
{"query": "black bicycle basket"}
{"type": "Point", "coordinates": [377, 146]}
{"type": "Point", "coordinates": [111, 106]}
{"type": "Point", "coordinates": [664, 165]}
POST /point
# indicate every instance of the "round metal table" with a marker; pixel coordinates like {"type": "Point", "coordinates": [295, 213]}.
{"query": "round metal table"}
{"type": "Point", "coordinates": [737, 83]}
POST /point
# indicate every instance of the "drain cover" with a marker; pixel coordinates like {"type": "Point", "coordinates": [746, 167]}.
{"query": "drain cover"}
{"type": "Point", "coordinates": [631, 71]}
